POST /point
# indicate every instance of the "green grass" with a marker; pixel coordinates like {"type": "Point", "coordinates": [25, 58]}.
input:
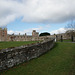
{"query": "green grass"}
{"type": "Point", "coordinates": [59, 61]}
{"type": "Point", "coordinates": [65, 40]}
{"type": "Point", "coordinates": [14, 43]}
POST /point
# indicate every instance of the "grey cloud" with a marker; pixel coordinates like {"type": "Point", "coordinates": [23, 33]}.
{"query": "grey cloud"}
{"type": "Point", "coordinates": [53, 11]}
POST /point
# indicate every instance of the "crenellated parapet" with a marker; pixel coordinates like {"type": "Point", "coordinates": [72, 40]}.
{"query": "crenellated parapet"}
{"type": "Point", "coordinates": [6, 37]}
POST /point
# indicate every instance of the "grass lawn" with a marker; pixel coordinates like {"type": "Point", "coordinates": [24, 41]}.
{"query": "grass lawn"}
{"type": "Point", "coordinates": [14, 43]}
{"type": "Point", "coordinates": [69, 40]}
{"type": "Point", "coordinates": [65, 40]}
{"type": "Point", "coordinates": [59, 61]}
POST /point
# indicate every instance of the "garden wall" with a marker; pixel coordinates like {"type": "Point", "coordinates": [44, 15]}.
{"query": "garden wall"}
{"type": "Point", "coordinates": [14, 56]}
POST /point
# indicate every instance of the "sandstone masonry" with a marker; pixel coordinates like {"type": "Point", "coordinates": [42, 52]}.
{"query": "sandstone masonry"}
{"type": "Point", "coordinates": [6, 37]}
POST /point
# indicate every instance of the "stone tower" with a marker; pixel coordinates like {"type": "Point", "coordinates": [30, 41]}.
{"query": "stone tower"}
{"type": "Point", "coordinates": [3, 34]}
{"type": "Point", "coordinates": [35, 34]}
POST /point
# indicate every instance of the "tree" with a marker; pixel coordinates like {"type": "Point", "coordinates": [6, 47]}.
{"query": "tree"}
{"type": "Point", "coordinates": [70, 28]}
{"type": "Point", "coordinates": [71, 25]}
{"type": "Point", "coordinates": [44, 34]}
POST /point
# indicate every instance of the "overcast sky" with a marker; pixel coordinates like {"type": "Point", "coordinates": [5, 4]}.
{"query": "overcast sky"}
{"type": "Point", "coordinates": [43, 15]}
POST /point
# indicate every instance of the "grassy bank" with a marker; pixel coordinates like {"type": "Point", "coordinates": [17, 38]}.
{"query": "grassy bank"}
{"type": "Point", "coordinates": [59, 61]}
{"type": "Point", "coordinates": [14, 43]}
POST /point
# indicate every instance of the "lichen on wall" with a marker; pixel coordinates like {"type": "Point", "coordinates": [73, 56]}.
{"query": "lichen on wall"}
{"type": "Point", "coordinates": [14, 56]}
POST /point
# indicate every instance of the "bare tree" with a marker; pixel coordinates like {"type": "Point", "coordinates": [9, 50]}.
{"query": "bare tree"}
{"type": "Point", "coordinates": [71, 25]}
{"type": "Point", "coordinates": [70, 28]}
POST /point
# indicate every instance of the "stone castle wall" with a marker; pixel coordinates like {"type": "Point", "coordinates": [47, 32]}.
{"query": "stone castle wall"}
{"type": "Point", "coordinates": [14, 56]}
{"type": "Point", "coordinates": [35, 36]}
{"type": "Point", "coordinates": [3, 34]}
{"type": "Point", "coordinates": [5, 37]}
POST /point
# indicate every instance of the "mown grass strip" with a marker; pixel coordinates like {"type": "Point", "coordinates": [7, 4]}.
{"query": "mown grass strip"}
{"type": "Point", "coordinates": [4, 45]}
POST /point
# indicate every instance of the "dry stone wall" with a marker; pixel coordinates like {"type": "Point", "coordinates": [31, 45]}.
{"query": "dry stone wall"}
{"type": "Point", "coordinates": [14, 56]}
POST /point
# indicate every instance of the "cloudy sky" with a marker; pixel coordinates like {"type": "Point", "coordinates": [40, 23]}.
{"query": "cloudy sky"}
{"type": "Point", "coordinates": [22, 16]}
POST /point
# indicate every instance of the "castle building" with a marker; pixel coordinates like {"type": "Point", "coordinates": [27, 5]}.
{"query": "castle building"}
{"type": "Point", "coordinates": [34, 37]}
{"type": "Point", "coordinates": [35, 34]}
{"type": "Point", "coordinates": [6, 37]}
{"type": "Point", "coordinates": [3, 34]}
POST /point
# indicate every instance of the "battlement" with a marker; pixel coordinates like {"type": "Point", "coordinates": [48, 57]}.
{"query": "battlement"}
{"type": "Point", "coordinates": [35, 34]}
{"type": "Point", "coordinates": [3, 28]}
{"type": "Point", "coordinates": [3, 34]}
{"type": "Point", "coordinates": [5, 37]}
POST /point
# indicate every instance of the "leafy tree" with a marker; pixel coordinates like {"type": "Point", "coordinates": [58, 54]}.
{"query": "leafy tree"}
{"type": "Point", "coordinates": [44, 34]}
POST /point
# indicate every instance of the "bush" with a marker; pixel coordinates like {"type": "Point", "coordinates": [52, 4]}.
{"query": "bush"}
{"type": "Point", "coordinates": [44, 34]}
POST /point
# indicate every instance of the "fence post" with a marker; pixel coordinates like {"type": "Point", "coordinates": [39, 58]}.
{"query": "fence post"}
{"type": "Point", "coordinates": [56, 38]}
{"type": "Point", "coordinates": [61, 38]}
{"type": "Point", "coordinates": [72, 38]}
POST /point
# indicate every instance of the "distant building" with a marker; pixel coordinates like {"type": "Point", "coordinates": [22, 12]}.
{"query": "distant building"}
{"type": "Point", "coordinates": [3, 34]}
{"type": "Point", "coordinates": [6, 37]}
{"type": "Point", "coordinates": [35, 34]}
{"type": "Point", "coordinates": [34, 37]}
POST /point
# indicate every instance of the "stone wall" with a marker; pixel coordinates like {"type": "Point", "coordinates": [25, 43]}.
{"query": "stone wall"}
{"type": "Point", "coordinates": [14, 56]}
{"type": "Point", "coordinates": [74, 39]}
{"type": "Point", "coordinates": [27, 38]}
{"type": "Point", "coordinates": [3, 34]}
